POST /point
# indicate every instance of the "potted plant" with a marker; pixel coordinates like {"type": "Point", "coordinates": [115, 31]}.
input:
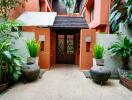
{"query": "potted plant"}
{"type": "Point", "coordinates": [99, 54]}
{"type": "Point", "coordinates": [121, 13]}
{"type": "Point", "coordinates": [123, 48]}
{"type": "Point", "coordinates": [33, 48]}
{"type": "Point", "coordinates": [31, 70]}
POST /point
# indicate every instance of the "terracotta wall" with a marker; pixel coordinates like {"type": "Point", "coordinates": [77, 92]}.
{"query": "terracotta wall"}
{"type": "Point", "coordinates": [45, 6]}
{"type": "Point", "coordinates": [86, 57]}
{"type": "Point", "coordinates": [101, 14]}
{"type": "Point", "coordinates": [45, 55]}
{"type": "Point", "coordinates": [32, 5]}
{"type": "Point", "coordinates": [17, 12]}
{"type": "Point", "coordinates": [29, 5]}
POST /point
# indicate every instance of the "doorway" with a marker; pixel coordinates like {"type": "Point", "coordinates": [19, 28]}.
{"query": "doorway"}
{"type": "Point", "coordinates": [65, 49]}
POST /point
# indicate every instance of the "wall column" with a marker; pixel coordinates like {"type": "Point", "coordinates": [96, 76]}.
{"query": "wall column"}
{"type": "Point", "coordinates": [45, 54]}
{"type": "Point", "coordinates": [86, 57]}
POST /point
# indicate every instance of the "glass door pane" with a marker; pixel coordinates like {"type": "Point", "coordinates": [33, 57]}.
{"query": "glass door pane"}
{"type": "Point", "coordinates": [60, 44]}
{"type": "Point", "coordinates": [70, 44]}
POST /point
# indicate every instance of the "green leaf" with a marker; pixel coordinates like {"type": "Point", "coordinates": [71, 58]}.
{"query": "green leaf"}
{"type": "Point", "coordinates": [7, 54]}
{"type": "Point", "coordinates": [15, 76]}
{"type": "Point", "coordinates": [17, 62]}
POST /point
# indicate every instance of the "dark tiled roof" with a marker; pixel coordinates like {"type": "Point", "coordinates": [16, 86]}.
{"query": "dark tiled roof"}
{"type": "Point", "coordinates": [70, 22]}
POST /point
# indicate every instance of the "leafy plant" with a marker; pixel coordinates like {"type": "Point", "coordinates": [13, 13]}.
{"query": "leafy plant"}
{"type": "Point", "coordinates": [6, 29]}
{"type": "Point", "coordinates": [7, 5]}
{"type": "Point", "coordinates": [10, 61]}
{"type": "Point", "coordinates": [33, 47]}
{"type": "Point", "coordinates": [129, 76]}
{"type": "Point", "coordinates": [122, 48]}
{"type": "Point", "coordinates": [121, 12]}
{"type": "Point", "coordinates": [98, 51]}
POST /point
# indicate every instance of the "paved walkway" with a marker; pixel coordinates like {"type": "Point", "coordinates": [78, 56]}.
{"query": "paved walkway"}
{"type": "Point", "coordinates": [66, 82]}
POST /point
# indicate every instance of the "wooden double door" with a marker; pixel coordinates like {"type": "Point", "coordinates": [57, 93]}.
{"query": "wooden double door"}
{"type": "Point", "coordinates": [65, 49]}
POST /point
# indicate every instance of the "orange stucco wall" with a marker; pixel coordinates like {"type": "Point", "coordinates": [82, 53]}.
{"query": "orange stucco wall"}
{"type": "Point", "coordinates": [16, 12]}
{"type": "Point", "coordinates": [44, 56]}
{"type": "Point", "coordinates": [47, 58]}
{"type": "Point", "coordinates": [32, 5]}
{"type": "Point", "coordinates": [101, 14]}
{"type": "Point", "coordinates": [86, 57]}
{"type": "Point", "coordinates": [45, 6]}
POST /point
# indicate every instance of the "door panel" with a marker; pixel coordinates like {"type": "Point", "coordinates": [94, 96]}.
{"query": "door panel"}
{"type": "Point", "coordinates": [65, 49]}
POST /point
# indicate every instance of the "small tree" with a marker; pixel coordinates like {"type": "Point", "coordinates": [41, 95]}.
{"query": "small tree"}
{"type": "Point", "coordinates": [7, 5]}
{"type": "Point", "coordinates": [69, 4]}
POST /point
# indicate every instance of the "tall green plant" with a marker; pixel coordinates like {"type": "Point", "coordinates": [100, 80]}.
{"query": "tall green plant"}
{"type": "Point", "coordinates": [121, 12]}
{"type": "Point", "coordinates": [33, 47]}
{"type": "Point", "coordinates": [98, 51]}
{"type": "Point", "coordinates": [122, 48]}
{"type": "Point", "coordinates": [10, 61]}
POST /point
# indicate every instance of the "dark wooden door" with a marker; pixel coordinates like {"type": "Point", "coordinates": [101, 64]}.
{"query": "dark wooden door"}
{"type": "Point", "coordinates": [65, 49]}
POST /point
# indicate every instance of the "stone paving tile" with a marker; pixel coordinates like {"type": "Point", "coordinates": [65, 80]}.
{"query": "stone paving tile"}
{"type": "Point", "coordinates": [67, 82]}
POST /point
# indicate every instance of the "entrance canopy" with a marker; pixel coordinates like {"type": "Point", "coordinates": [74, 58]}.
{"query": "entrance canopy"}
{"type": "Point", "coordinates": [43, 19]}
{"type": "Point", "coordinates": [68, 22]}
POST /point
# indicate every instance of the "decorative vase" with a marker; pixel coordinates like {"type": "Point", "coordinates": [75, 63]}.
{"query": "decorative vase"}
{"type": "Point", "coordinates": [30, 72]}
{"type": "Point", "coordinates": [32, 60]}
{"type": "Point", "coordinates": [100, 62]}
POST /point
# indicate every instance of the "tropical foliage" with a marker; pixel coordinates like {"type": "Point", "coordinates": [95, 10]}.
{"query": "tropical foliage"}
{"type": "Point", "coordinates": [122, 48]}
{"type": "Point", "coordinates": [7, 5]}
{"type": "Point", "coordinates": [121, 12]}
{"type": "Point", "coordinates": [6, 28]}
{"type": "Point", "coordinates": [33, 47]}
{"type": "Point", "coordinates": [10, 60]}
{"type": "Point", "coordinates": [98, 51]}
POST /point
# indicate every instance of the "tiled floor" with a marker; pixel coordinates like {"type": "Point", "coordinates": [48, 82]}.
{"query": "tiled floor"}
{"type": "Point", "coordinates": [67, 82]}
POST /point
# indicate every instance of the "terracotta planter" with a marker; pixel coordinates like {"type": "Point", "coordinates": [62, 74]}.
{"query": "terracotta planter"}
{"type": "Point", "coordinates": [100, 62]}
{"type": "Point", "coordinates": [3, 87]}
{"type": "Point", "coordinates": [123, 78]}
{"type": "Point", "coordinates": [126, 82]}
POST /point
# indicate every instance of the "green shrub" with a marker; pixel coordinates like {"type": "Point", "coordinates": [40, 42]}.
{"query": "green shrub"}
{"type": "Point", "coordinates": [10, 60]}
{"type": "Point", "coordinates": [98, 51]}
{"type": "Point", "coordinates": [122, 48]}
{"type": "Point", "coordinates": [33, 47]}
